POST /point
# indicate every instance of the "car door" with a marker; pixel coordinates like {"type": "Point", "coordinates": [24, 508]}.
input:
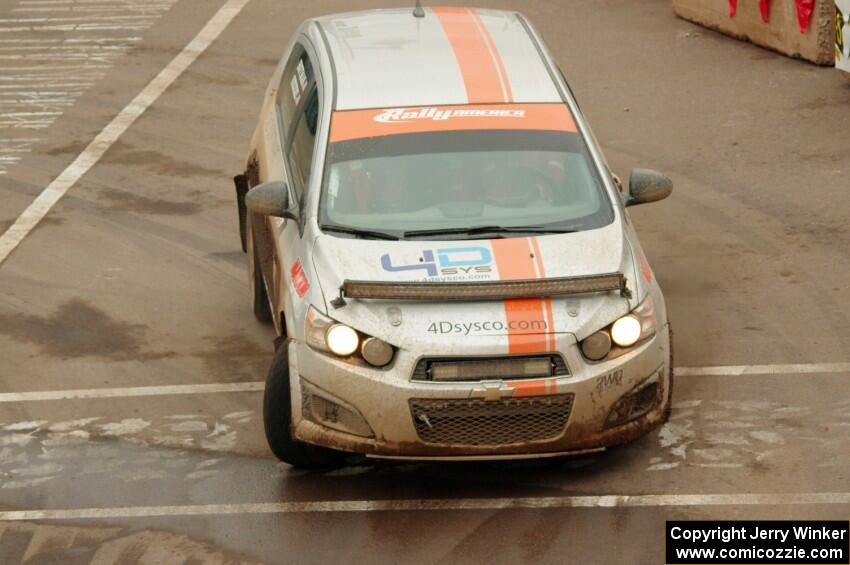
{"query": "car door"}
{"type": "Point", "coordinates": [299, 98]}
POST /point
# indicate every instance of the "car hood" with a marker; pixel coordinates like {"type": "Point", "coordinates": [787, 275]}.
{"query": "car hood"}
{"type": "Point", "coordinates": [489, 325]}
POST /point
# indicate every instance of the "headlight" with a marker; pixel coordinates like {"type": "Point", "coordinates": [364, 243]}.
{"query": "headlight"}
{"type": "Point", "coordinates": [376, 352]}
{"type": "Point", "coordinates": [328, 335]}
{"type": "Point", "coordinates": [342, 340]}
{"type": "Point", "coordinates": [645, 314]}
{"type": "Point", "coordinates": [626, 331]}
{"type": "Point", "coordinates": [616, 339]}
{"type": "Point", "coordinates": [596, 346]}
{"type": "Point", "coordinates": [316, 328]}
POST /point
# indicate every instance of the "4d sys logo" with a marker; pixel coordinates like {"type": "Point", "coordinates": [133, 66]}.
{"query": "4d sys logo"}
{"type": "Point", "coordinates": [449, 261]}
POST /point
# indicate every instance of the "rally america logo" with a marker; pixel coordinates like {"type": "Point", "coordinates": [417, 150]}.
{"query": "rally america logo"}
{"type": "Point", "coordinates": [398, 115]}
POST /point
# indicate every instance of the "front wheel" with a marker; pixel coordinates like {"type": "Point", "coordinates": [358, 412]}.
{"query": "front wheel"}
{"type": "Point", "coordinates": [277, 418]}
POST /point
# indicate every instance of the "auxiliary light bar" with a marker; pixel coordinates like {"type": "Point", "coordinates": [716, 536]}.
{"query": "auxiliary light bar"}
{"type": "Point", "coordinates": [487, 290]}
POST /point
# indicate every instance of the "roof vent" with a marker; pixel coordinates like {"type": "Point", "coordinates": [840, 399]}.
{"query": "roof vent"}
{"type": "Point", "coordinates": [418, 11]}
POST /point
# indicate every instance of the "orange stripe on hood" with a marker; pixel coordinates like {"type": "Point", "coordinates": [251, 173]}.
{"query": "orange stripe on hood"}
{"type": "Point", "coordinates": [480, 71]}
{"type": "Point", "coordinates": [515, 260]}
{"type": "Point", "coordinates": [547, 301]}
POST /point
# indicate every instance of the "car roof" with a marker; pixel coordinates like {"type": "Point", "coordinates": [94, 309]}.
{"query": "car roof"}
{"type": "Point", "coordinates": [389, 58]}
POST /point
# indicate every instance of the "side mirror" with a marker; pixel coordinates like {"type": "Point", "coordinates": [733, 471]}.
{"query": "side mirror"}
{"type": "Point", "coordinates": [269, 199]}
{"type": "Point", "coordinates": [646, 185]}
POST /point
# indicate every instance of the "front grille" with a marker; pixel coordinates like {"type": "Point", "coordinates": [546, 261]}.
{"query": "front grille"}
{"type": "Point", "coordinates": [423, 369]}
{"type": "Point", "coordinates": [479, 422]}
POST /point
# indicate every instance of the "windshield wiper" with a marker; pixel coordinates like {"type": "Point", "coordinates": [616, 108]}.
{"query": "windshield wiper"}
{"type": "Point", "coordinates": [358, 232]}
{"type": "Point", "coordinates": [486, 229]}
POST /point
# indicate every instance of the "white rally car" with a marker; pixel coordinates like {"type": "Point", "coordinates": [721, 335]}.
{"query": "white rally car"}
{"type": "Point", "coordinates": [442, 249]}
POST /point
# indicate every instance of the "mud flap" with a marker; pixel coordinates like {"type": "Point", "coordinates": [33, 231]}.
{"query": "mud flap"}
{"type": "Point", "coordinates": [241, 182]}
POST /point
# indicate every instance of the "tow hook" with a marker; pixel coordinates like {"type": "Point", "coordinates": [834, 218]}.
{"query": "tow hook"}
{"type": "Point", "coordinates": [424, 419]}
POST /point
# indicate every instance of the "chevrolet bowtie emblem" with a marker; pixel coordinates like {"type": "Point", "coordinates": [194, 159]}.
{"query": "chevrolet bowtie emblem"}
{"type": "Point", "coordinates": [492, 390]}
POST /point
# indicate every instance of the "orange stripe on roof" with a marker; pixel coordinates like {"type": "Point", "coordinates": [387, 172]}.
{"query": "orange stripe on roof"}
{"type": "Point", "coordinates": [514, 260]}
{"type": "Point", "coordinates": [359, 124]}
{"type": "Point", "coordinates": [479, 71]}
{"type": "Point", "coordinates": [497, 57]}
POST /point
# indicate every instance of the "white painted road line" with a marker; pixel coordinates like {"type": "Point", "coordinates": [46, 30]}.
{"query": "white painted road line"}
{"type": "Point", "coordinates": [129, 392]}
{"type": "Point", "coordinates": [258, 386]}
{"type": "Point", "coordinates": [60, 62]}
{"type": "Point", "coordinates": [741, 370]}
{"type": "Point", "coordinates": [604, 501]}
{"type": "Point", "coordinates": [39, 208]}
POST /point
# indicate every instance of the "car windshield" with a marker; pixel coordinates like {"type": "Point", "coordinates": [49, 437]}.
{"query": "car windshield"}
{"type": "Point", "coordinates": [456, 180]}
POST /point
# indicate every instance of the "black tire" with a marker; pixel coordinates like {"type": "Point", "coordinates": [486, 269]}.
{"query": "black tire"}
{"type": "Point", "coordinates": [256, 284]}
{"type": "Point", "coordinates": [277, 419]}
{"type": "Point", "coordinates": [241, 184]}
{"type": "Point", "coordinates": [669, 408]}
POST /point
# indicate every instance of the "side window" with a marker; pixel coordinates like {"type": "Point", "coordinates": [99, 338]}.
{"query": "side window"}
{"type": "Point", "coordinates": [302, 143]}
{"type": "Point", "coordinates": [298, 100]}
{"type": "Point", "coordinates": [295, 84]}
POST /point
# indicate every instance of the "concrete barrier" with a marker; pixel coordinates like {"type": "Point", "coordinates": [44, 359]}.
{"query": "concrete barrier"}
{"type": "Point", "coordinates": [782, 31]}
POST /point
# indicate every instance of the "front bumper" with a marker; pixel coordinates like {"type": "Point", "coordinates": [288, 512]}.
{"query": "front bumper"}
{"type": "Point", "coordinates": [374, 415]}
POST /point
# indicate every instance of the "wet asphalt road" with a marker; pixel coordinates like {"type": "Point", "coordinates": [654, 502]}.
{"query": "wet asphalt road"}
{"type": "Point", "coordinates": [136, 278]}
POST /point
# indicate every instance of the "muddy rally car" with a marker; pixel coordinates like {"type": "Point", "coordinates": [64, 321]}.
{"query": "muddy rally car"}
{"type": "Point", "coordinates": [445, 256]}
